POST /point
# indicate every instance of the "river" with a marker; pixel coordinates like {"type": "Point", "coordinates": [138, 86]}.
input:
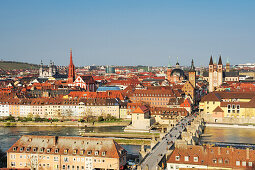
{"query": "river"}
{"type": "Point", "coordinates": [229, 135]}
{"type": "Point", "coordinates": [9, 135]}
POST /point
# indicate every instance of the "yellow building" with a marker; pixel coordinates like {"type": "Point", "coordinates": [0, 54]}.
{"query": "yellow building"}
{"type": "Point", "coordinates": [228, 107]}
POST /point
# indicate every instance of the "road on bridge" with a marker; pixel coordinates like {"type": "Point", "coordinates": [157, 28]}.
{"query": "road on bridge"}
{"type": "Point", "coordinates": [152, 159]}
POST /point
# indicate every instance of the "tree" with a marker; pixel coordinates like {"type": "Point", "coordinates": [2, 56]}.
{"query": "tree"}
{"type": "Point", "coordinates": [3, 159]}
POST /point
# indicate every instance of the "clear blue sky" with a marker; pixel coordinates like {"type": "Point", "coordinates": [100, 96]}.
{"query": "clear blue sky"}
{"type": "Point", "coordinates": [127, 32]}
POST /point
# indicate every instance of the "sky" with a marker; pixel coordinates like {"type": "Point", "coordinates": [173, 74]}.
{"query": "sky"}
{"type": "Point", "coordinates": [127, 32]}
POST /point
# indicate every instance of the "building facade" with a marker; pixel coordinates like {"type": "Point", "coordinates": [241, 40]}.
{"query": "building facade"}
{"type": "Point", "coordinates": [68, 153]}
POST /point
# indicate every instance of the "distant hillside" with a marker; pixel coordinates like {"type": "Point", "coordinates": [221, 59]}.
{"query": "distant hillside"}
{"type": "Point", "coordinates": [12, 65]}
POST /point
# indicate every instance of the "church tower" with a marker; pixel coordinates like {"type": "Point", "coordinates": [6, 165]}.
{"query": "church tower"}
{"type": "Point", "coordinates": [227, 66]}
{"type": "Point", "coordinates": [169, 70]}
{"type": "Point", "coordinates": [219, 72]}
{"type": "Point", "coordinates": [41, 70]}
{"type": "Point", "coordinates": [192, 74]}
{"type": "Point", "coordinates": [211, 75]}
{"type": "Point", "coordinates": [215, 74]}
{"type": "Point", "coordinates": [71, 70]}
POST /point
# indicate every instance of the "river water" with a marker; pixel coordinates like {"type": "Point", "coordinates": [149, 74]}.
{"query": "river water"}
{"type": "Point", "coordinates": [9, 135]}
{"type": "Point", "coordinates": [229, 135]}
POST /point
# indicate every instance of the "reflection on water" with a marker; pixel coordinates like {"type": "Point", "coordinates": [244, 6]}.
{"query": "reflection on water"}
{"type": "Point", "coordinates": [229, 135]}
{"type": "Point", "coordinates": [9, 135]}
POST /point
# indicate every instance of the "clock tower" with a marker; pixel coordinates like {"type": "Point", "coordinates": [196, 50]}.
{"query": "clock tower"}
{"type": "Point", "coordinates": [192, 74]}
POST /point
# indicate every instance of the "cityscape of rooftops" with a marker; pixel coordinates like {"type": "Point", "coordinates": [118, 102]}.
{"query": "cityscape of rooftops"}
{"type": "Point", "coordinates": [127, 85]}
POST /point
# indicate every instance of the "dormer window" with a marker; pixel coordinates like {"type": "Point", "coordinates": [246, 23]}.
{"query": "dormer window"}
{"type": "Point", "coordinates": [177, 158]}
{"type": "Point", "coordinates": [96, 152]}
{"type": "Point", "coordinates": [65, 151]}
{"type": "Point", "coordinates": [75, 151]}
{"type": "Point", "coordinates": [21, 149]}
{"type": "Point", "coordinates": [14, 148]}
{"type": "Point", "coordinates": [89, 152]}
{"type": "Point", "coordinates": [56, 150]}
{"type": "Point", "coordinates": [42, 149]}
{"type": "Point", "coordinates": [81, 152]}
{"type": "Point", "coordinates": [34, 149]}
{"type": "Point", "coordinates": [103, 153]}
{"type": "Point", "coordinates": [28, 149]}
{"type": "Point", "coordinates": [48, 150]}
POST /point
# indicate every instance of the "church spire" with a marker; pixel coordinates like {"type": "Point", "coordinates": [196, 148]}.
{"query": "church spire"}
{"type": "Point", "coordinates": [71, 69]}
{"type": "Point", "coordinates": [211, 61]}
{"type": "Point", "coordinates": [220, 61]}
{"type": "Point", "coordinates": [71, 57]}
{"type": "Point", "coordinates": [192, 68]}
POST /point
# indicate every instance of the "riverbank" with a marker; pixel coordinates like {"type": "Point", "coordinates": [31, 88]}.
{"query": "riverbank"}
{"type": "Point", "coordinates": [64, 124]}
{"type": "Point", "coordinates": [122, 135]}
{"type": "Point", "coordinates": [230, 125]}
{"type": "Point", "coordinates": [126, 138]}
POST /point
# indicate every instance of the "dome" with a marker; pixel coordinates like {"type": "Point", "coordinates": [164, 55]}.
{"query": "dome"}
{"type": "Point", "coordinates": [178, 72]}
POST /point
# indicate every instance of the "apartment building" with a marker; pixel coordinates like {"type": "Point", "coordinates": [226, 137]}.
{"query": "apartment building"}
{"type": "Point", "coordinates": [210, 157]}
{"type": "Point", "coordinates": [57, 107]}
{"type": "Point", "coordinates": [155, 97]}
{"type": "Point", "coordinates": [66, 153]}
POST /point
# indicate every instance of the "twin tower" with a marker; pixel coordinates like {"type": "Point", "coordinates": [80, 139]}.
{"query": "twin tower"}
{"type": "Point", "coordinates": [215, 74]}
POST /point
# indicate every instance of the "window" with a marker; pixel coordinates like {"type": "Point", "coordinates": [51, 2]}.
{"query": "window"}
{"type": "Point", "coordinates": [220, 160]}
{"type": "Point", "coordinates": [64, 167]}
{"type": "Point", "coordinates": [42, 149]}
{"type": "Point", "coordinates": [65, 151]}
{"type": "Point", "coordinates": [243, 163]}
{"type": "Point", "coordinates": [34, 149]}
{"type": "Point", "coordinates": [48, 150]}
{"type": "Point", "coordinates": [14, 148]}
{"type": "Point", "coordinates": [229, 107]}
{"type": "Point", "coordinates": [177, 158]}
{"type": "Point", "coordinates": [233, 108]}
{"type": "Point", "coordinates": [74, 151]}
{"type": "Point", "coordinates": [249, 163]}
{"type": "Point", "coordinates": [103, 153]}
{"type": "Point", "coordinates": [81, 152]}
{"type": "Point", "coordinates": [28, 149]}
{"type": "Point", "coordinates": [237, 163]}
{"type": "Point", "coordinates": [214, 161]}
{"type": "Point", "coordinates": [55, 158]}
{"type": "Point", "coordinates": [195, 159]}
{"type": "Point", "coordinates": [186, 158]}
{"type": "Point", "coordinates": [89, 152]}
{"type": "Point", "coordinates": [226, 161]}
{"type": "Point", "coordinates": [96, 152]}
{"type": "Point", "coordinates": [66, 159]}
{"type": "Point", "coordinates": [13, 164]}
{"type": "Point", "coordinates": [237, 108]}
{"type": "Point", "coordinates": [56, 150]}
{"type": "Point", "coordinates": [21, 149]}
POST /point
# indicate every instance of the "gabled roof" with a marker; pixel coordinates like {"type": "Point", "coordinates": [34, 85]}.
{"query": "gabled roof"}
{"type": "Point", "coordinates": [141, 110]}
{"type": "Point", "coordinates": [218, 109]}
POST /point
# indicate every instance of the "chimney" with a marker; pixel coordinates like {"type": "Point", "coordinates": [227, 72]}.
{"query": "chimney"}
{"type": "Point", "coordinates": [247, 153]}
